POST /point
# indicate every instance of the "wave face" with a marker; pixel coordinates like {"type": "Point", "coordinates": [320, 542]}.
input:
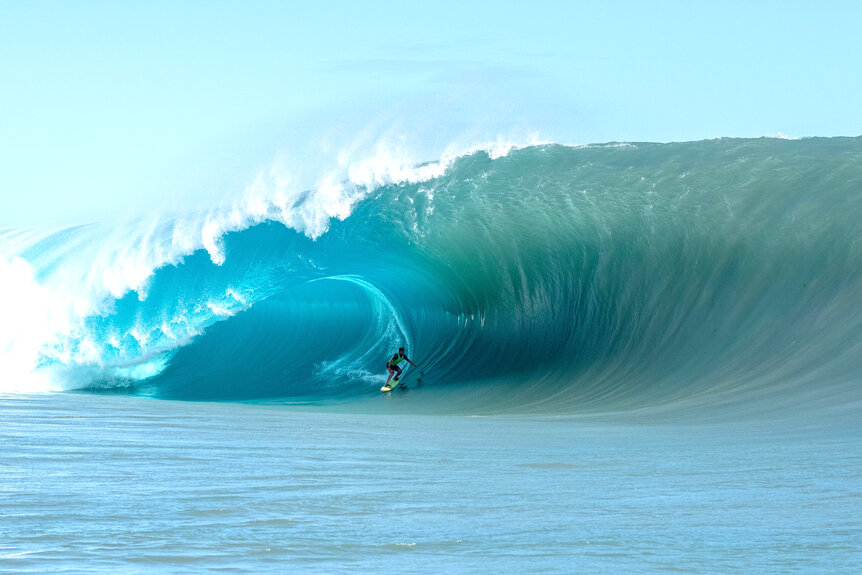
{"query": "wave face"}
{"type": "Point", "coordinates": [552, 278]}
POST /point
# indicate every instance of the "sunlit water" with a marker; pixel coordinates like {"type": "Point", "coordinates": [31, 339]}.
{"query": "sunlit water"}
{"type": "Point", "coordinates": [116, 484]}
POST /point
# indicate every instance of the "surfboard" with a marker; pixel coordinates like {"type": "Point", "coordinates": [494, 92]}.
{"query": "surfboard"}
{"type": "Point", "coordinates": [392, 385]}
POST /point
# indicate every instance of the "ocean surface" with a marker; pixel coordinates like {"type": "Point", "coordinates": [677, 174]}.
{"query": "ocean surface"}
{"type": "Point", "coordinates": [632, 357]}
{"type": "Point", "coordinates": [115, 484]}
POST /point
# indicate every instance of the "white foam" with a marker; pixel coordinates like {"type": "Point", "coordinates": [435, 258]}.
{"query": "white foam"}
{"type": "Point", "coordinates": [275, 195]}
{"type": "Point", "coordinates": [32, 315]}
{"type": "Point", "coordinates": [782, 136]}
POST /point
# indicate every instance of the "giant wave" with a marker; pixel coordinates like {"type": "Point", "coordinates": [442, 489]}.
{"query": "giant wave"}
{"type": "Point", "coordinates": [722, 273]}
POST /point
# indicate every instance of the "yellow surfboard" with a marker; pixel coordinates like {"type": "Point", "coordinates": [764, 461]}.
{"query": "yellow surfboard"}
{"type": "Point", "coordinates": [392, 385]}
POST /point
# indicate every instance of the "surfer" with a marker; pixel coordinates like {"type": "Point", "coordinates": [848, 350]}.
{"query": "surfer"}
{"type": "Point", "coordinates": [392, 365]}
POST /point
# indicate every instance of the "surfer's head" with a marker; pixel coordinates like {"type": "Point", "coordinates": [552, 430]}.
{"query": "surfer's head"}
{"type": "Point", "coordinates": [401, 350]}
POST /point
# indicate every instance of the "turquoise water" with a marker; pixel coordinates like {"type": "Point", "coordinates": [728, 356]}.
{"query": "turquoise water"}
{"type": "Point", "coordinates": [96, 484]}
{"type": "Point", "coordinates": [716, 274]}
{"type": "Point", "coordinates": [633, 358]}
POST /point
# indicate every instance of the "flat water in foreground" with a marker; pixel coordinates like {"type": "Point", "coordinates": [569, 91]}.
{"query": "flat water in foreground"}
{"type": "Point", "coordinates": [95, 484]}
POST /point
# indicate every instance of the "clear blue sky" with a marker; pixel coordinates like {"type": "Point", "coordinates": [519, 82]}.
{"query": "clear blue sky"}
{"type": "Point", "coordinates": [109, 107]}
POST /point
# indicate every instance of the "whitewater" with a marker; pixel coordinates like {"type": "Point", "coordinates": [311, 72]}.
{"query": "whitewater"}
{"type": "Point", "coordinates": [634, 357]}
